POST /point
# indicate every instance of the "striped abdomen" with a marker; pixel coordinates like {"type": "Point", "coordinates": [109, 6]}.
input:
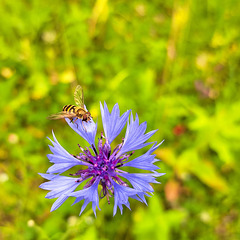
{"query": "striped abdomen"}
{"type": "Point", "coordinates": [70, 108]}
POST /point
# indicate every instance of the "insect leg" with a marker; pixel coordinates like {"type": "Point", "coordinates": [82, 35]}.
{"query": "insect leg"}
{"type": "Point", "coordinates": [84, 126]}
{"type": "Point", "coordinates": [75, 121]}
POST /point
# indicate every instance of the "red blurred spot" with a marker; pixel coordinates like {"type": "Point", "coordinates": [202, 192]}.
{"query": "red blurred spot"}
{"type": "Point", "coordinates": [178, 130]}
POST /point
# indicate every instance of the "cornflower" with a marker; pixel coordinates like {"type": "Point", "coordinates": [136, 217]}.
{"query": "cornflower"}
{"type": "Point", "coordinates": [100, 165]}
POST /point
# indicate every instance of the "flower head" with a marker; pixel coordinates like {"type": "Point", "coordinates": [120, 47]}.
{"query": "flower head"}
{"type": "Point", "coordinates": [100, 164]}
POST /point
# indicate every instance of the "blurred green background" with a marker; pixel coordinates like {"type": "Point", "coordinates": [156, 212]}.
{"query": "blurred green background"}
{"type": "Point", "coordinates": [175, 63]}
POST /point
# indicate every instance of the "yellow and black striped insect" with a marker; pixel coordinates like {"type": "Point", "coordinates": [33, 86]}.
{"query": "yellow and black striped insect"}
{"type": "Point", "coordinates": [72, 111]}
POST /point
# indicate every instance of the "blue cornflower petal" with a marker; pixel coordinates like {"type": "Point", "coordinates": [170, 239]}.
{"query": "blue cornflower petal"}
{"type": "Point", "coordinates": [135, 136]}
{"type": "Point", "coordinates": [48, 176]}
{"type": "Point", "coordinates": [88, 131]}
{"type": "Point", "coordinates": [157, 174]}
{"type": "Point", "coordinates": [140, 182]}
{"type": "Point", "coordinates": [61, 158]}
{"type": "Point", "coordinates": [145, 161]}
{"type": "Point", "coordinates": [121, 195]}
{"type": "Point", "coordinates": [142, 199]}
{"type": "Point", "coordinates": [89, 194]}
{"type": "Point", "coordinates": [112, 122]}
{"type": "Point", "coordinates": [60, 187]}
{"type": "Point", "coordinates": [58, 202]}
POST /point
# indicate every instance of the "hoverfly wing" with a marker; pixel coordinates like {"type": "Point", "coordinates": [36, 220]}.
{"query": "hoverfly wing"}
{"type": "Point", "coordinates": [78, 96]}
{"type": "Point", "coordinates": [61, 115]}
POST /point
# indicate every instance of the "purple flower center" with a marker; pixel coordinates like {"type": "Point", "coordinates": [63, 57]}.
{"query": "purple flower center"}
{"type": "Point", "coordinates": [103, 165]}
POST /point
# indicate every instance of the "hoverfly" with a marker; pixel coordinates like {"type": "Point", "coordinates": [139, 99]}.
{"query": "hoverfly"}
{"type": "Point", "coordinates": [72, 111]}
